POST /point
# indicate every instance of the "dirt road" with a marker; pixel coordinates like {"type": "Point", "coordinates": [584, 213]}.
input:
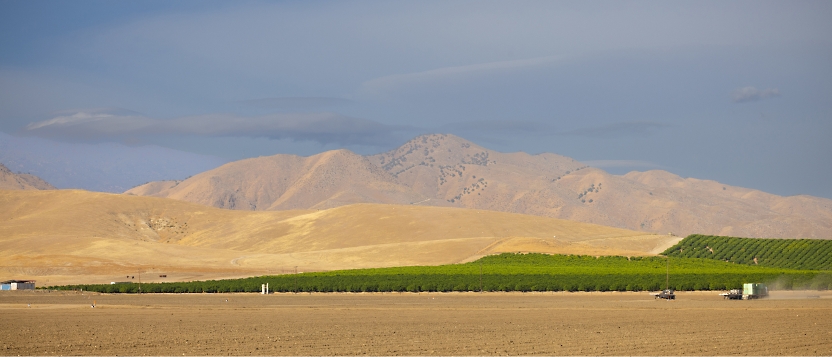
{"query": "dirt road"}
{"type": "Point", "coordinates": [699, 323]}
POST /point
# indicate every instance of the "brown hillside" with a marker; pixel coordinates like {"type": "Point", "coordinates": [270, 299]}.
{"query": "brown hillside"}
{"type": "Point", "coordinates": [453, 171]}
{"type": "Point", "coordinates": [79, 236]}
{"type": "Point", "coordinates": [12, 181]}
{"type": "Point", "coordinates": [329, 179]}
{"type": "Point", "coordinates": [445, 170]}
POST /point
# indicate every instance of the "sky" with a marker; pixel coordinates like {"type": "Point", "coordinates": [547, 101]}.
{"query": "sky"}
{"type": "Point", "coordinates": [739, 92]}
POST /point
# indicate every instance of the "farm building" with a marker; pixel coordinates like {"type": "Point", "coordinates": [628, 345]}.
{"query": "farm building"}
{"type": "Point", "coordinates": [17, 285]}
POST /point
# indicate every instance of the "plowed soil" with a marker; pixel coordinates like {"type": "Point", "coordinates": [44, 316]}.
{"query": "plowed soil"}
{"type": "Point", "coordinates": [697, 323]}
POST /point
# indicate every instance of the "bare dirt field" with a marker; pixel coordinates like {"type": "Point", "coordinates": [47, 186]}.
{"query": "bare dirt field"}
{"type": "Point", "coordinates": [697, 323]}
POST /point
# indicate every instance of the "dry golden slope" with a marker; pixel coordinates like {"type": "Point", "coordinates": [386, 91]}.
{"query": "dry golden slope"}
{"type": "Point", "coordinates": [12, 181]}
{"type": "Point", "coordinates": [74, 236]}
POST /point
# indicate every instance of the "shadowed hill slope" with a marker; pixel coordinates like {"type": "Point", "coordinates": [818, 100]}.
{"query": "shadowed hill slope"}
{"type": "Point", "coordinates": [12, 181]}
{"type": "Point", "coordinates": [68, 235]}
{"type": "Point", "coordinates": [445, 170]}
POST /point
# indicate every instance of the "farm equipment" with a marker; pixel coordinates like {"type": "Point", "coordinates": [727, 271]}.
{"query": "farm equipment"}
{"type": "Point", "coordinates": [749, 291]}
{"type": "Point", "coordinates": [666, 294]}
{"type": "Point", "coordinates": [733, 294]}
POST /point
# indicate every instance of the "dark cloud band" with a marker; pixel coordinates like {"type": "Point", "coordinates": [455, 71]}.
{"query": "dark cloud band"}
{"type": "Point", "coordinates": [752, 94]}
{"type": "Point", "coordinates": [325, 128]}
{"type": "Point", "coordinates": [505, 127]}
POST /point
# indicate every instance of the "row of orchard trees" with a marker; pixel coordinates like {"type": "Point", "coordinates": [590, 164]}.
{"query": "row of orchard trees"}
{"type": "Point", "coordinates": [805, 254]}
{"type": "Point", "coordinates": [508, 272]}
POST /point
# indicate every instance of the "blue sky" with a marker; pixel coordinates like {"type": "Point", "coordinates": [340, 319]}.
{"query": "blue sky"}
{"type": "Point", "coordinates": [739, 92]}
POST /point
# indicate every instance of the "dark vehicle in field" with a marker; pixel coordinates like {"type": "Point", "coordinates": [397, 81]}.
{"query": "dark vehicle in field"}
{"type": "Point", "coordinates": [668, 294]}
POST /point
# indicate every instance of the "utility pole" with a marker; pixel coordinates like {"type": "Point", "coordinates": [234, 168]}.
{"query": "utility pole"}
{"type": "Point", "coordinates": [667, 282]}
{"type": "Point", "coordinates": [480, 275]}
{"type": "Point", "coordinates": [296, 279]}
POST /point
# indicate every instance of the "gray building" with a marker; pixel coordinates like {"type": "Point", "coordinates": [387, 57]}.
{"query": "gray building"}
{"type": "Point", "coordinates": [17, 285]}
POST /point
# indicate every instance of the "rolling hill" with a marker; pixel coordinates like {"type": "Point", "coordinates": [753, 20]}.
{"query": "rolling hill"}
{"type": "Point", "coordinates": [445, 170]}
{"type": "Point", "coordinates": [12, 181]}
{"type": "Point", "coordinates": [66, 236]}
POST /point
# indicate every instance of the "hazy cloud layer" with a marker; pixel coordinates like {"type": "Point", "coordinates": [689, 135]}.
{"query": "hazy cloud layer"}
{"type": "Point", "coordinates": [109, 167]}
{"type": "Point", "coordinates": [637, 128]}
{"type": "Point", "coordinates": [504, 127]}
{"type": "Point", "coordinates": [533, 128]}
{"type": "Point", "coordinates": [751, 94]}
{"type": "Point", "coordinates": [108, 125]}
{"type": "Point", "coordinates": [297, 103]}
{"type": "Point", "coordinates": [389, 82]}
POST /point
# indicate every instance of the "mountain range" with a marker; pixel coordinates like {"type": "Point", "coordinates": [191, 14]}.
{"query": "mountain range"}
{"type": "Point", "coordinates": [445, 170]}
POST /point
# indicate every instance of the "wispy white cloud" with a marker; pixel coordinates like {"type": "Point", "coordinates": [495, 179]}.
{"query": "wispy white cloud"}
{"type": "Point", "coordinates": [751, 94]}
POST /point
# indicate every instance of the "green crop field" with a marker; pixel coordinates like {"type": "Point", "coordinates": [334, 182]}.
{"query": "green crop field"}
{"type": "Point", "coordinates": [511, 272]}
{"type": "Point", "coordinates": [805, 254]}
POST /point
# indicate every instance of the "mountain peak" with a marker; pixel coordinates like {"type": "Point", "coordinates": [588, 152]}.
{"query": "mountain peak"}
{"type": "Point", "coordinates": [444, 141]}
{"type": "Point", "coordinates": [432, 150]}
